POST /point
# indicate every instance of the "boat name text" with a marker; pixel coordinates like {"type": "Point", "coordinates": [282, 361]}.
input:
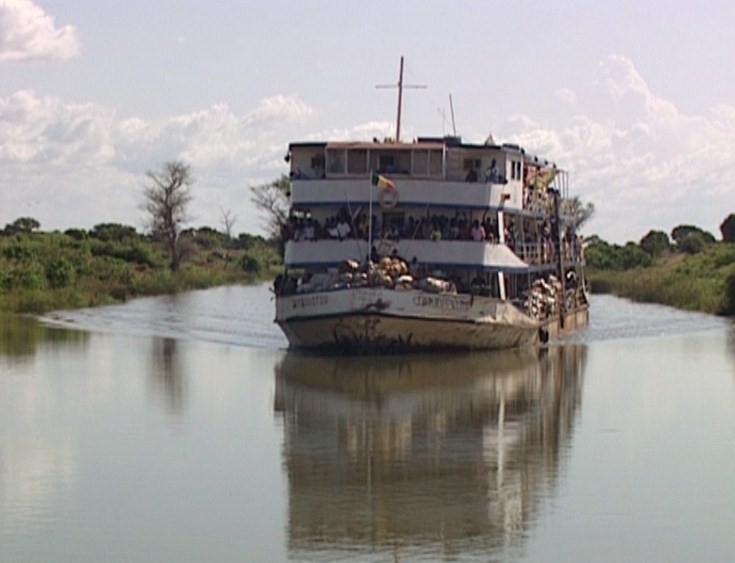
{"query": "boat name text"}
{"type": "Point", "coordinates": [443, 302]}
{"type": "Point", "coordinates": [308, 301]}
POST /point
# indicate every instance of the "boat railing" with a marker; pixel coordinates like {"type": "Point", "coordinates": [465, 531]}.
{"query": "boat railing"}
{"type": "Point", "coordinates": [535, 253]}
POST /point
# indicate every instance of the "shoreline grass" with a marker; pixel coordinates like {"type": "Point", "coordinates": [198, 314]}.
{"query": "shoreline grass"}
{"type": "Point", "coordinates": [702, 282]}
{"type": "Point", "coordinates": [42, 272]}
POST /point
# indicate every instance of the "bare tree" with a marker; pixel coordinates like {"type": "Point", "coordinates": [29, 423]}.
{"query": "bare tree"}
{"type": "Point", "coordinates": [272, 199]}
{"type": "Point", "coordinates": [228, 220]}
{"type": "Point", "coordinates": [166, 199]}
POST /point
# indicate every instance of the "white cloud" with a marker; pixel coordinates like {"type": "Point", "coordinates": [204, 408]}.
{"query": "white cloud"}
{"type": "Point", "coordinates": [28, 33]}
{"type": "Point", "coordinates": [79, 164]}
{"type": "Point", "coordinates": [566, 95]}
{"type": "Point", "coordinates": [279, 108]}
{"type": "Point", "coordinates": [641, 161]}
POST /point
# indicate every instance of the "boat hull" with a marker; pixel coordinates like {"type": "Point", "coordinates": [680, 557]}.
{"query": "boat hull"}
{"type": "Point", "coordinates": [370, 320]}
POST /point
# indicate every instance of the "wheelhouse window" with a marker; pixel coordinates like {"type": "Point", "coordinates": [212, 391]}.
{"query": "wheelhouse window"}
{"type": "Point", "coordinates": [335, 161]}
{"type": "Point", "coordinates": [436, 163]}
{"type": "Point", "coordinates": [420, 166]}
{"type": "Point", "coordinates": [387, 163]}
{"type": "Point", "coordinates": [472, 164]}
{"type": "Point", "coordinates": [515, 170]}
{"type": "Point", "coordinates": [317, 165]}
{"type": "Point", "coordinates": [357, 161]}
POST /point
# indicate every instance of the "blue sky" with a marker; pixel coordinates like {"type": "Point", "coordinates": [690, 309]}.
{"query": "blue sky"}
{"type": "Point", "coordinates": [636, 100]}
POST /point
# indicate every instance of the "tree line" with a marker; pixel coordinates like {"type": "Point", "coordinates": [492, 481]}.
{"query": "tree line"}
{"type": "Point", "coordinates": [683, 239]}
{"type": "Point", "coordinates": [42, 271]}
{"type": "Point", "coordinates": [687, 268]}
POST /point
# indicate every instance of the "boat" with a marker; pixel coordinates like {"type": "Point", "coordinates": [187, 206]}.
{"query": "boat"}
{"type": "Point", "coordinates": [430, 244]}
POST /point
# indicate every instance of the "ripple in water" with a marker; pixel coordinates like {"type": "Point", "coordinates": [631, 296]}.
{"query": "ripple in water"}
{"type": "Point", "coordinates": [613, 318]}
{"type": "Point", "coordinates": [243, 315]}
{"type": "Point", "coordinates": [240, 315]}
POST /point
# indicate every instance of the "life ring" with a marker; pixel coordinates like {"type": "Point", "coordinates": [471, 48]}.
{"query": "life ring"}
{"type": "Point", "coordinates": [385, 202]}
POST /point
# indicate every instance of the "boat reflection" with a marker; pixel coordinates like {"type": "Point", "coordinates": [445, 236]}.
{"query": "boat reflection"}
{"type": "Point", "coordinates": [447, 453]}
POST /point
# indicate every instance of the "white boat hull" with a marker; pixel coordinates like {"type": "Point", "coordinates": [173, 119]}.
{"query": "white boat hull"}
{"type": "Point", "coordinates": [387, 320]}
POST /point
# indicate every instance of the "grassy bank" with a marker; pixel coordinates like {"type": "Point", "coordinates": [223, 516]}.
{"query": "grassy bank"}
{"type": "Point", "coordinates": [696, 282]}
{"type": "Point", "coordinates": [40, 272]}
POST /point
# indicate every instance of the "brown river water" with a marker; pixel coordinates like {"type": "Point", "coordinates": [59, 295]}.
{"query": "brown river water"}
{"type": "Point", "coordinates": [181, 429]}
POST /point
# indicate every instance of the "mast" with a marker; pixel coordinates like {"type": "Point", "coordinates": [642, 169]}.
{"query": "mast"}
{"type": "Point", "coordinates": [400, 102]}
{"type": "Point", "coordinates": [400, 87]}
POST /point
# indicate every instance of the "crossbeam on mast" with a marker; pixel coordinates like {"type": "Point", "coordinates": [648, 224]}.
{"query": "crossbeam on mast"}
{"type": "Point", "coordinates": [400, 87]}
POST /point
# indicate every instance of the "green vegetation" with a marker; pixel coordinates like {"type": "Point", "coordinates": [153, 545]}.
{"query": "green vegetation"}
{"type": "Point", "coordinates": [690, 270]}
{"type": "Point", "coordinates": [43, 271]}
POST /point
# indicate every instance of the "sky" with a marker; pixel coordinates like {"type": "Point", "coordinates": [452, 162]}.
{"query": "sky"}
{"type": "Point", "coordinates": [635, 99]}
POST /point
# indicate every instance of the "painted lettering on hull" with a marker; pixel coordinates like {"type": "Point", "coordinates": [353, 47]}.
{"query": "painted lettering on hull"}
{"type": "Point", "coordinates": [443, 302]}
{"type": "Point", "coordinates": [308, 301]}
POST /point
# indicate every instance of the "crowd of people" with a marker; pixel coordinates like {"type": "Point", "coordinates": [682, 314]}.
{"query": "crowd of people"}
{"type": "Point", "coordinates": [531, 240]}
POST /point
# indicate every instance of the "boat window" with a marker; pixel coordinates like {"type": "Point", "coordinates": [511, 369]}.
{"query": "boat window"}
{"type": "Point", "coordinates": [472, 163]}
{"type": "Point", "coordinates": [436, 166]}
{"type": "Point", "coordinates": [386, 163]}
{"type": "Point", "coordinates": [317, 165]}
{"type": "Point", "coordinates": [357, 161]}
{"type": "Point", "coordinates": [515, 170]}
{"type": "Point", "coordinates": [335, 161]}
{"type": "Point", "coordinates": [420, 163]}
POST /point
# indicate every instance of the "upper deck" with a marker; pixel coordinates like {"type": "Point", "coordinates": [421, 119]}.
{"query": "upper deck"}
{"type": "Point", "coordinates": [435, 172]}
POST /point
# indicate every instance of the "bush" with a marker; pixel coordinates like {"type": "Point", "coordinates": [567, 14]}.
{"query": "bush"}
{"type": "Point", "coordinates": [250, 264]}
{"type": "Point", "coordinates": [693, 243]}
{"type": "Point", "coordinates": [20, 252]}
{"type": "Point", "coordinates": [59, 272]}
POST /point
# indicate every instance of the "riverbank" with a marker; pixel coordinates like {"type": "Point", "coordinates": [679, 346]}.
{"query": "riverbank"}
{"type": "Point", "coordinates": [41, 272]}
{"type": "Point", "coordinates": [702, 282]}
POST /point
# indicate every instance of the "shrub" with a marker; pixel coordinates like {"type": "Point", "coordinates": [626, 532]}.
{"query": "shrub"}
{"type": "Point", "coordinates": [693, 243]}
{"type": "Point", "coordinates": [59, 272]}
{"type": "Point", "coordinates": [250, 264]}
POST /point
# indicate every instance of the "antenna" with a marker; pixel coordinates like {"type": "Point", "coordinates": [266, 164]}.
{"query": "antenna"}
{"type": "Point", "coordinates": [400, 87]}
{"type": "Point", "coordinates": [451, 107]}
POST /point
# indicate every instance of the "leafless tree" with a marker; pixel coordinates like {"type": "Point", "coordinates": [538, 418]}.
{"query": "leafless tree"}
{"type": "Point", "coordinates": [272, 199]}
{"type": "Point", "coordinates": [228, 220]}
{"type": "Point", "coordinates": [166, 199]}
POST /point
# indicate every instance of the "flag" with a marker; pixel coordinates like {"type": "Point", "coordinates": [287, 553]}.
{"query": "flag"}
{"type": "Point", "coordinates": [383, 182]}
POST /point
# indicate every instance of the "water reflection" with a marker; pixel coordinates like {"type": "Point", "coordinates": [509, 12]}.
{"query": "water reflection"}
{"type": "Point", "coordinates": [21, 336]}
{"type": "Point", "coordinates": [167, 373]}
{"type": "Point", "coordinates": [397, 455]}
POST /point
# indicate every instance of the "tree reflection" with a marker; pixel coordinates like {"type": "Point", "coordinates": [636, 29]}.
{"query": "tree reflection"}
{"type": "Point", "coordinates": [167, 373]}
{"type": "Point", "coordinates": [449, 453]}
{"type": "Point", "coordinates": [20, 336]}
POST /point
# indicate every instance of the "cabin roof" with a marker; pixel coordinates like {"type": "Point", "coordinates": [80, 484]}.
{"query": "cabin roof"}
{"type": "Point", "coordinates": [422, 143]}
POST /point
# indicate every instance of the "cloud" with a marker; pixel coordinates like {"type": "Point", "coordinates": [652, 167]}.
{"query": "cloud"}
{"type": "Point", "coordinates": [70, 164]}
{"type": "Point", "coordinates": [279, 108]}
{"type": "Point", "coordinates": [642, 162]}
{"type": "Point", "coordinates": [566, 95]}
{"type": "Point", "coordinates": [28, 33]}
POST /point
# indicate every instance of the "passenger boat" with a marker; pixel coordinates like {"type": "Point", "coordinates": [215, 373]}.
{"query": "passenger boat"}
{"type": "Point", "coordinates": [432, 244]}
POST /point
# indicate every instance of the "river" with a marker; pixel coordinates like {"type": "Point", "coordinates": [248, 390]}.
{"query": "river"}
{"type": "Point", "coordinates": [179, 428]}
